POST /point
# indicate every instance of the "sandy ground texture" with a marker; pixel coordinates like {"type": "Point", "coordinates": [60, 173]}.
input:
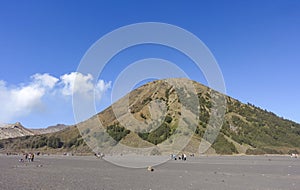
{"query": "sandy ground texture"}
{"type": "Point", "coordinates": [205, 172]}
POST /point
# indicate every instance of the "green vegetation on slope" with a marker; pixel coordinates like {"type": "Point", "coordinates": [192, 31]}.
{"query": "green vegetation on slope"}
{"type": "Point", "coordinates": [222, 146]}
{"type": "Point", "coordinates": [117, 132]}
{"type": "Point", "coordinates": [158, 135]}
{"type": "Point", "coordinates": [261, 129]}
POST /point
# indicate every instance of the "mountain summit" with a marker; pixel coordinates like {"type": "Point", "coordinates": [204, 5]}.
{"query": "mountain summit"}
{"type": "Point", "coordinates": [176, 114]}
{"type": "Point", "coordinates": [135, 122]}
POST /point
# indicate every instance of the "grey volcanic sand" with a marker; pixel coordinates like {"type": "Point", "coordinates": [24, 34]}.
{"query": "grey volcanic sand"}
{"type": "Point", "coordinates": [206, 172]}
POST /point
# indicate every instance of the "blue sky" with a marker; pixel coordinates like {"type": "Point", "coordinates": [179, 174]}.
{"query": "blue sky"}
{"type": "Point", "coordinates": [256, 44]}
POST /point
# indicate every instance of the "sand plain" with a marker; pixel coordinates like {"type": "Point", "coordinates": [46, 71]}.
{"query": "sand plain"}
{"type": "Point", "coordinates": [204, 172]}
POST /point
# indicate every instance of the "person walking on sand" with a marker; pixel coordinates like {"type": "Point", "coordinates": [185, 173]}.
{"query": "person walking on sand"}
{"type": "Point", "coordinates": [32, 157]}
{"type": "Point", "coordinates": [29, 157]}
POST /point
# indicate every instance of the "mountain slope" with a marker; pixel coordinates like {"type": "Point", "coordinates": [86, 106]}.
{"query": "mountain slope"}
{"type": "Point", "coordinates": [158, 117]}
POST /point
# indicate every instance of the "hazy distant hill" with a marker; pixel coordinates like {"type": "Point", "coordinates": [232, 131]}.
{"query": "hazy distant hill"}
{"type": "Point", "coordinates": [18, 130]}
{"type": "Point", "coordinates": [14, 130]}
{"type": "Point", "coordinates": [50, 129]}
{"type": "Point", "coordinates": [246, 128]}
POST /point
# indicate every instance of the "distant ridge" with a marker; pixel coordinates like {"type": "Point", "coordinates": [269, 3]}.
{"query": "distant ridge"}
{"type": "Point", "coordinates": [50, 129]}
{"type": "Point", "coordinates": [14, 130]}
{"type": "Point", "coordinates": [18, 130]}
{"type": "Point", "coordinates": [3, 124]}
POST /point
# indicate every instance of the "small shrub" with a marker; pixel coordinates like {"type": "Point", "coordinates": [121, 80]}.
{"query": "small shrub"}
{"type": "Point", "coordinates": [168, 119]}
{"type": "Point", "coordinates": [143, 116]}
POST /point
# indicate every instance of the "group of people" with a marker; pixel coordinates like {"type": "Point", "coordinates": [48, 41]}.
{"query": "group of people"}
{"type": "Point", "coordinates": [99, 155]}
{"type": "Point", "coordinates": [27, 157]}
{"type": "Point", "coordinates": [180, 157]}
{"type": "Point", "coordinates": [294, 155]}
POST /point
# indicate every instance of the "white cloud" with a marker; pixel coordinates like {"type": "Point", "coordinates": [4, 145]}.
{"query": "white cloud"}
{"type": "Point", "coordinates": [101, 88]}
{"type": "Point", "coordinates": [83, 85]}
{"type": "Point", "coordinates": [24, 99]}
{"type": "Point", "coordinates": [44, 80]}
{"type": "Point", "coordinates": [77, 83]}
